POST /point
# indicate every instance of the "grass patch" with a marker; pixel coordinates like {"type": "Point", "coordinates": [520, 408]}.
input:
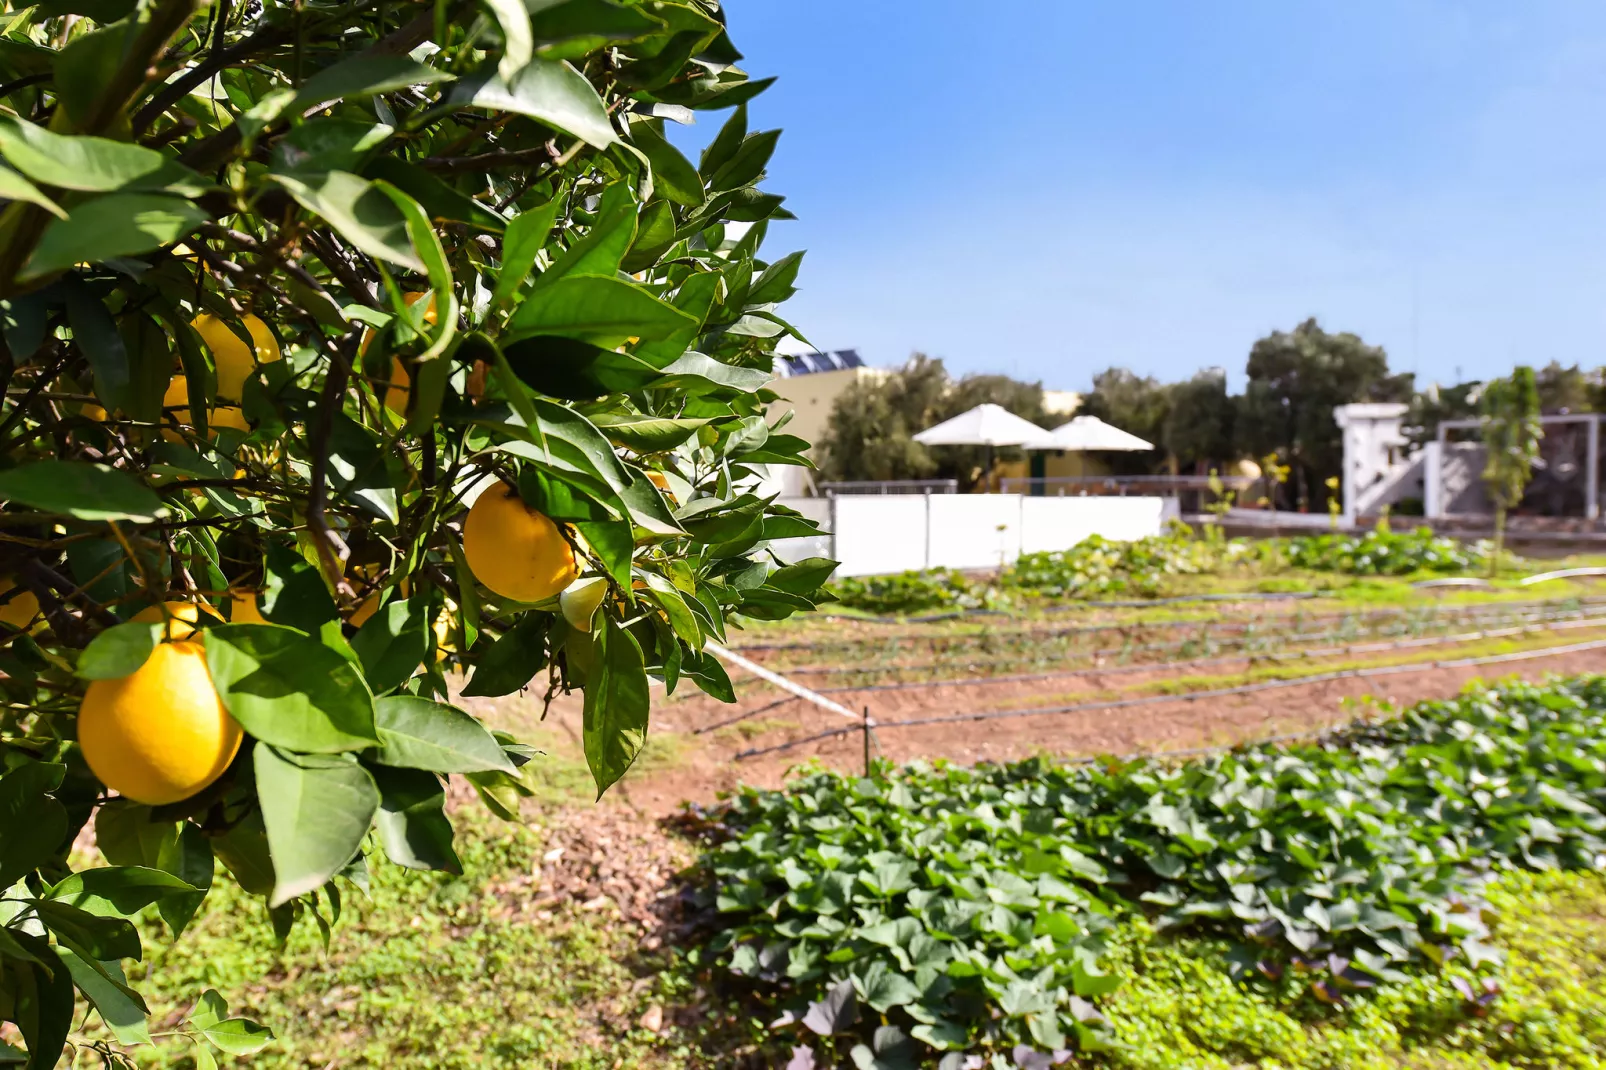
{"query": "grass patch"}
{"type": "Point", "coordinates": [1182, 1010]}
{"type": "Point", "coordinates": [432, 972]}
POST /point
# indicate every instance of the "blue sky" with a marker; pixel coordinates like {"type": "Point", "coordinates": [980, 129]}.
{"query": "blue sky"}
{"type": "Point", "coordinates": [1046, 189]}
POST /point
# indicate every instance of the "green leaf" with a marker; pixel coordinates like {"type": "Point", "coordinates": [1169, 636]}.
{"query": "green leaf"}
{"type": "Point", "coordinates": [95, 935]}
{"type": "Point", "coordinates": [13, 187]}
{"type": "Point", "coordinates": [364, 76]}
{"type": "Point", "coordinates": [316, 810]}
{"type": "Point", "coordinates": [775, 285]}
{"type": "Point", "coordinates": [289, 690]}
{"type": "Point", "coordinates": [295, 595]}
{"type": "Point", "coordinates": [120, 1007]}
{"type": "Point", "coordinates": [512, 661]}
{"type": "Point", "coordinates": [119, 891]}
{"type": "Point", "coordinates": [40, 1000]}
{"type": "Point", "coordinates": [672, 174]}
{"type": "Point", "coordinates": [92, 164]}
{"type": "Point", "coordinates": [526, 235]}
{"type": "Point", "coordinates": [433, 254]}
{"type": "Point", "coordinates": [243, 850]}
{"type": "Point", "coordinates": [802, 577]}
{"type": "Point", "coordinates": [110, 226]}
{"type": "Point", "coordinates": [394, 642]}
{"type": "Point", "coordinates": [576, 28]}
{"type": "Point", "coordinates": [359, 211]}
{"type": "Point", "coordinates": [725, 144]}
{"type": "Point", "coordinates": [747, 162]}
{"type": "Point", "coordinates": [616, 705]}
{"type": "Point", "coordinates": [81, 490]}
{"type": "Point", "coordinates": [518, 45]}
{"type": "Point", "coordinates": [604, 245]}
{"type": "Point", "coordinates": [236, 1036]}
{"type": "Point", "coordinates": [119, 651]}
{"type": "Point", "coordinates": [443, 203]}
{"type": "Point", "coordinates": [416, 733]}
{"type": "Point", "coordinates": [647, 434]}
{"type": "Point", "coordinates": [598, 309]}
{"type": "Point", "coordinates": [549, 90]}
{"type": "Point", "coordinates": [412, 820]}
{"type": "Point", "coordinates": [613, 541]}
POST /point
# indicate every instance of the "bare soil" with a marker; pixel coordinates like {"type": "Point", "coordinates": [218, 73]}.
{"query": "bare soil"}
{"type": "Point", "coordinates": [692, 759]}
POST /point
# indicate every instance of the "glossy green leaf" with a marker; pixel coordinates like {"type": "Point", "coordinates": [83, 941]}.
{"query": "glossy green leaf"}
{"type": "Point", "coordinates": [364, 76]}
{"type": "Point", "coordinates": [13, 187]}
{"type": "Point", "coordinates": [92, 164]}
{"type": "Point", "coordinates": [549, 90]}
{"type": "Point", "coordinates": [81, 490]}
{"type": "Point", "coordinates": [673, 175]}
{"type": "Point", "coordinates": [592, 308]}
{"type": "Point", "coordinates": [110, 226]}
{"type": "Point", "coordinates": [412, 821]}
{"type": "Point", "coordinates": [316, 809]}
{"type": "Point", "coordinates": [511, 662]}
{"type": "Point", "coordinates": [393, 642]}
{"type": "Point", "coordinates": [616, 706]}
{"type": "Point", "coordinates": [119, 651]}
{"type": "Point", "coordinates": [415, 733]}
{"type": "Point", "coordinates": [359, 211]}
{"type": "Point", "coordinates": [290, 690]}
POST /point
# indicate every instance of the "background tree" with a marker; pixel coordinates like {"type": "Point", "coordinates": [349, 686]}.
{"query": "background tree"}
{"type": "Point", "coordinates": [1511, 434]}
{"type": "Point", "coordinates": [1430, 407]}
{"type": "Point", "coordinates": [1138, 404]}
{"type": "Point", "coordinates": [1295, 381]}
{"type": "Point", "coordinates": [1566, 388]}
{"type": "Point", "coordinates": [869, 435]}
{"type": "Point", "coordinates": [1199, 426]}
{"type": "Point", "coordinates": [285, 289]}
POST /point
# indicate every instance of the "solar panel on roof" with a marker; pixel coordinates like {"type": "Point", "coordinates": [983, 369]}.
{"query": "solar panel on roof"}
{"type": "Point", "coordinates": [849, 358]}
{"type": "Point", "coordinates": [796, 366]}
{"type": "Point", "coordinates": [822, 362]}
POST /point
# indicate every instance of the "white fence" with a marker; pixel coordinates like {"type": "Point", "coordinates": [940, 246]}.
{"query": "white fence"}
{"type": "Point", "coordinates": [876, 534]}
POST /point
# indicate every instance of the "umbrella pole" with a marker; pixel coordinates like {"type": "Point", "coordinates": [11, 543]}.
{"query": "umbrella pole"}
{"type": "Point", "coordinates": [987, 473]}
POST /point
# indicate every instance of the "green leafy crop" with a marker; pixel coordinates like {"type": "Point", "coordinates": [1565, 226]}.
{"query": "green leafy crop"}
{"type": "Point", "coordinates": [970, 909]}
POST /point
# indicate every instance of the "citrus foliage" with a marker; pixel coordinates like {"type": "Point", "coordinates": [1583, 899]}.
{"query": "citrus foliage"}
{"type": "Point", "coordinates": [972, 908]}
{"type": "Point", "coordinates": [285, 290]}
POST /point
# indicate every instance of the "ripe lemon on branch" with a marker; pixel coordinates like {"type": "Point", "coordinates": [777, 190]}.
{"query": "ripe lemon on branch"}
{"type": "Point", "coordinates": [514, 550]}
{"type": "Point", "coordinates": [160, 734]}
{"type": "Point", "coordinates": [235, 362]}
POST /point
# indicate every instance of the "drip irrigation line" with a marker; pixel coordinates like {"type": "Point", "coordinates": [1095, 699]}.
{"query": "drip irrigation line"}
{"type": "Point", "coordinates": [1160, 666]}
{"type": "Point", "coordinates": [1219, 692]}
{"type": "Point", "coordinates": [1327, 651]}
{"type": "Point", "coordinates": [1382, 613]}
{"type": "Point", "coordinates": [1221, 639]}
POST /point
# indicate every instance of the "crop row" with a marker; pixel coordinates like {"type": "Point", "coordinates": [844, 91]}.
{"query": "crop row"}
{"type": "Point", "coordinates": [968, 910]}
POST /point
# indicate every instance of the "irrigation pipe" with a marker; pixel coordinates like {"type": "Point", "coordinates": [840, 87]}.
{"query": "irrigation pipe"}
{"type": "Point", "coordinates": [1219, 692]}
{"type": "Point", "coordinates": [786, 685]}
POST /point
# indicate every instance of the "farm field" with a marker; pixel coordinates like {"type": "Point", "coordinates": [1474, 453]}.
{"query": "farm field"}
{"type": "Point", "coordinates": [588, 935]}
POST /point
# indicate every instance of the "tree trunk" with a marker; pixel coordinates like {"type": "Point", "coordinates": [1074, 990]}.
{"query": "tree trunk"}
{"type": "Point", "coordinates": [1499, 538]}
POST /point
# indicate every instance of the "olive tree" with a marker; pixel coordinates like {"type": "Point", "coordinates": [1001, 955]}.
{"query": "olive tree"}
{"type": "Point", "coordinates": [187, 184]}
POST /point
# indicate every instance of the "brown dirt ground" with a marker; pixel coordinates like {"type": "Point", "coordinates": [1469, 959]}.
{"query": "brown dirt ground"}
{"type": "Point", "coordinates": [683, 764]}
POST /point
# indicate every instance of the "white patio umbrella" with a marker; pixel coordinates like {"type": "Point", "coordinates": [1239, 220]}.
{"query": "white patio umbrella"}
{"type": "Point", "coordinates": [987, 425]}
{"type": "Point", "coordinates": [1092, 433]}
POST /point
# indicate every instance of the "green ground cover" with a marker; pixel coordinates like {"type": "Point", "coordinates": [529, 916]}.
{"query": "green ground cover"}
{"type": "Point", "coordinates": [939, 909]}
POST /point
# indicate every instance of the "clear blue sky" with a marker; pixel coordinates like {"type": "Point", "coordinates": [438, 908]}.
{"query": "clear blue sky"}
{"type": "Point", "coordinates": [1048, 188]}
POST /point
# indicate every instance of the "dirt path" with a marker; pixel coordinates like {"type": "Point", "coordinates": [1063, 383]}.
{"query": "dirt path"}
{"type": "Point", "coordinates": [683, 764]}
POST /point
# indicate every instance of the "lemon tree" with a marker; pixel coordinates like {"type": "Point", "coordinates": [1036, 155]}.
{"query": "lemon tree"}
{"type": "Point", "coordinates": [355, 355]}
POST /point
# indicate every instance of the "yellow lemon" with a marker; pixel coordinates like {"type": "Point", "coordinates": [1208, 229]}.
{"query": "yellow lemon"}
{"type": "Point", "coordinates": [370, 605]}
{"type": "Point", "coordinates": [177, 398]}
{"type": "Point", "coordinates": [161, 733]}
{"type": "Point", "coordinates": [400, 381]}
{"type": "Point", "coordinates": [243, 608]}
{"type": "Point", "coordinates": [181, 617]}
{"type": "Point", "coordinates": [235, 362]}
{"type": "Point", "coordinates": [20, 610]}
{"type": "Point", "coordinates": [514, 550]}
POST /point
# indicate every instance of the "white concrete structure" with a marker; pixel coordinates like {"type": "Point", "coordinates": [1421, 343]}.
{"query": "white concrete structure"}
{"type": "Point", "coordinates": [1378, 470]}
{"type": "Point", "coordinates": [875, 534]}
